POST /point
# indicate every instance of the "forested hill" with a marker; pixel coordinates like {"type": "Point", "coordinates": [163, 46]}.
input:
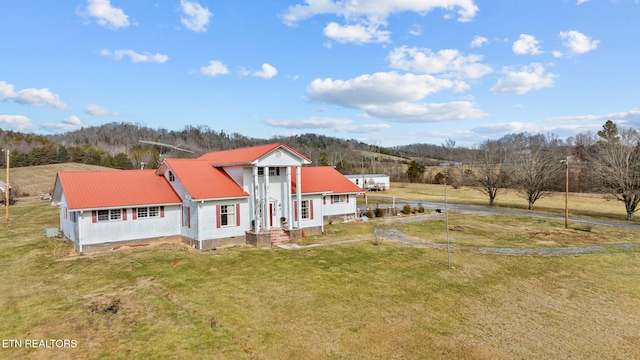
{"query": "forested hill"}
{"type": "Point", "coordinates": [124, 146]}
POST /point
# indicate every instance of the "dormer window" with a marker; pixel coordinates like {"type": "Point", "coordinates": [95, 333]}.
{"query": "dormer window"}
{"type": "Point", "coordinates": [172, 178]}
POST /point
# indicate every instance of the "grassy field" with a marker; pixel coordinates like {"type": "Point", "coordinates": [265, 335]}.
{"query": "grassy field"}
{"type": "Point", "coordinates": [357, 301]}
{"type": "Point", "coordinates": [33, 180]}
{"type": "Point", "coordinates": [600, 206]}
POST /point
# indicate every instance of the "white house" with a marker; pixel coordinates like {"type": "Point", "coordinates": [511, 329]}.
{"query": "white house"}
{"type": "Point", "coordinates": [372, 182]}
{"type": "Point", "coordinates": [257, 195]}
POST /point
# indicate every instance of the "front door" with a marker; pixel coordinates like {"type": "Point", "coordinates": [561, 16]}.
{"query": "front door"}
{"type": "Point", "coordinates": [274, 214]}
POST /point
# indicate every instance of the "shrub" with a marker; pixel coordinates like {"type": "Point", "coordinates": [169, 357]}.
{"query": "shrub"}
{"type": "Point", "coordinates": [379, 212]}
{"type": "Point", "coordinates": [406, 209]}
{"type": "Point", "coordinates": [370, 214]}
{"type": "Point", "coordinates": [420, 208]}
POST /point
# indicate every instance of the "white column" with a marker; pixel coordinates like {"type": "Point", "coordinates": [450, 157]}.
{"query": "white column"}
{"type": "Point", "coordinates": [287, 196]}
{"type": "Point", "coordinates": [256, 197]}
{"type": "Point", "coordinates": [299, 196]}
{"type": "Point", "coordinates": [267, 212]}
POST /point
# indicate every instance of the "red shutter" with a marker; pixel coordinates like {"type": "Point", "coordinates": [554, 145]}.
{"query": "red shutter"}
{"type": "Point", "coordinates": [237, 214]}
{"type": "Point", "coordinates": [134, 213]}
{"type": "Point", "coordinates": [161, 211]}
{"type": "Point", "coordinates": [347, 198]}
{"type": "Point", "coordinates": [324, 200]}
{"type": "Point", "coordinates": [94, 216]}
{"type": "Point", "coordinates": [332, 199]}
{"type": "Point", "coordinates": [311, 209]}
{"type": "Point", "coordinates": [124, 214]}
{"type": "Point", "coordinates": [295, 210]}
{"type": "Point", "coordinates": [217, 216]}
{"type": "Point", "coordinates": [182, 216]}
{"type": "Point", "coordinates": [189, 217]}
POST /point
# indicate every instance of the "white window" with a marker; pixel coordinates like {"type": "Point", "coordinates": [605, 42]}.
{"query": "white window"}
{"type": "Point", "coordinates": [147, 212]}
{"type": "Point", "coordinates": [305, 209]}
{"type": "Point", "coordinates": [227, 215]}
{"type": "Point", "coordinates": [110, 215]}
{"type": "Point", "coordinates": [339, 198]}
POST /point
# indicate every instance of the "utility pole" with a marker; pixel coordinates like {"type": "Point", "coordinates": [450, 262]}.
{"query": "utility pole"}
{"type": "Point", "coordinates": [566, 193]}
{"type": "Point", "coordinates": [7, 198]}
{"type": "Point", "coordinates": [446, 216]}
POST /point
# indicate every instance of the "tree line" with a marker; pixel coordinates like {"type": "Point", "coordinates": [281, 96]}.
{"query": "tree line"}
{"type": "Point", "coordinates": [531, 164]}
{"type": "Point", "coordinates": [535, 165]}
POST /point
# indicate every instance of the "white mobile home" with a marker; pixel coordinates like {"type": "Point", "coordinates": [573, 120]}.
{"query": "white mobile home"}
{"type": "Point", "coordinates": [370, 182]}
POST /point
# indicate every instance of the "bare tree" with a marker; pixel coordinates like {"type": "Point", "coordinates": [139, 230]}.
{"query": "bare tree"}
{"type": "Point", "coordinates": [536, 164]}
{"type": "Point", "coordinates": [490, 173]}
{"type": "Point", "coordinates": [617, 164]}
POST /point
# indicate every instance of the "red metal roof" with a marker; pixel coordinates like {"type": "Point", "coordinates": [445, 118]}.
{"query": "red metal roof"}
{"type": "Point", "coordinates": [203, 181]}
{"type": "Point", "coordinates": [102, 189]}
{"type": "Point", "coordinates": [245, 155]}
{"type": "Point", "coordinates": [317, 179]}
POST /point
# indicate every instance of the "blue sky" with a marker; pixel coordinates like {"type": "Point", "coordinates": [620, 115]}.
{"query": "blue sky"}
{"type": "Point", "coordinates": [386, 72]}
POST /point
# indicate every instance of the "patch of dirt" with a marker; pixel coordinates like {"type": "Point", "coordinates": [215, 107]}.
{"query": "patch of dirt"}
{"type": "Point", "coordinates": [457, 228]}
{"type": "Point", "coordinates": [546, 242]}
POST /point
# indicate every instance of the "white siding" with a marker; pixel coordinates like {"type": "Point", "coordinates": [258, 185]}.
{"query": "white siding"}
{"type": "Point", "coordinates": [209, 229]}
{"type": "Point", "coordinates": [280, 157]}
{"type": "Point", "coordinates": [130, 229]}
{"type": "Point", "coordinates": [68, 227]}
{"type": "Point", "coordinates": [236, 173]}
{"type": "Point", "coordinates": [317, 220]}
{"type": "Point", "coordinates": [189, 221]}
{"type": "Point", "coordinates": [337, 208]}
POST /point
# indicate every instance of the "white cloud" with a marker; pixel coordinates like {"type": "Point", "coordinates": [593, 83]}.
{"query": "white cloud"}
{"type": "Point", "coordinates": [527, 44]}
{"type": "Point", "coordinates": [33, 97]}
{"type": "Point", "coordinates": [531, 77]}
{"type": "Point", "coordinates": [448, 62]}
{"type": "Point", "coordinates": [358, 33]}
{"type": "Point", "coordinates": [376, 9]}
{"type": "Point", "coordinates": [68, 124]}
{"type": "Point", "coordinates": [379, 88]}
{"type": "Point", "coordinates": [422, 112]}
{"type": "Point", "coordinates": [196, 17]}
{"type": "Point", "coordinates": [576, 42]}
{"type": "Point", "coordinates": [580, 2]}
{"type": "Point", "coordinates": [393, 97]}
{"type": "Point", "coordinates": [214, 68]}
{"type": "Point", "coordinates": [507, 128]}
{"type": "Point", "coordinates": [415, 30]}
{"type": "Point", "coordinates": [16, 122]}
{"type": "Point", "coordinates": [107, 15]}
{"type": "Point", "coordinates": [72, 120]}
{"type": "Point", "coordinates": [97, 110]}
{"type": "Point", "coordinates": [631, 117]}
{"type": "Point", "coordinates": [478, 41]}
{"type": "Point", "coordinates": [364, 18]}
{"type": "Point", "coordinates": [339, 125]}
{"type": "Point", "coordinates": [267, 72]}
{"type": "Point", "coordinates": [134, 56]}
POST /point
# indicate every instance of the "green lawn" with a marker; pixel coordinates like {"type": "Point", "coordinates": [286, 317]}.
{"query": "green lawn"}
{"type": "Point", "coordinates": [349, 301]}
